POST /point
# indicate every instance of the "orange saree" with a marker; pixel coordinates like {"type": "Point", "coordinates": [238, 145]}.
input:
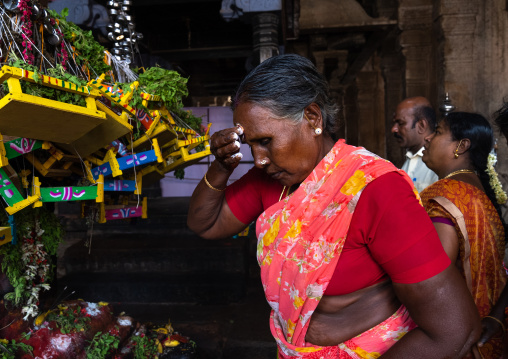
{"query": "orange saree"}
{"type": "Point", "coordinates": [486, 242]}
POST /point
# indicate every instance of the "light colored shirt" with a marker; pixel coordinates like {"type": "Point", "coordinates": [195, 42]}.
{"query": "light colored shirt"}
{"type": "Point", "coordinates": [421, 175]}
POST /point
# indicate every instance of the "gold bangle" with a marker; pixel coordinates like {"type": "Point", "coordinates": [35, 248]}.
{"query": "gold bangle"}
{"type": "Point", "coordinates": [212, 187]}
{"type": "Point", "coordinates": [497, 320]}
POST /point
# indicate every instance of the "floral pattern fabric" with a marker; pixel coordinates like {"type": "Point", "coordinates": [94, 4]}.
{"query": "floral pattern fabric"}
{"type": "Point", "coordinates": [300, 240]}
{"type": "Point", "coordinates": [486, 240]}
{"type": "Point", "coordinates": [368, 345]}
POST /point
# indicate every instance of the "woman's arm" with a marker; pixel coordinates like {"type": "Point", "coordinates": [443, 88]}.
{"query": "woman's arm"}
{"type": "Point", "coordinates": [209, 215]}
{"type": "Point", "coordinates": [447, 318]}
{"type": "Point", "coordinates": [490, 326]}
{"type": "Point", "coordinates": [449, 239]}
{"type": "Point", "coordinates": [424, 280]}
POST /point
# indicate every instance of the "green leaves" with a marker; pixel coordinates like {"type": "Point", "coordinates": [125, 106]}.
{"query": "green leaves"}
{"type": "Point", "coordinates": [87, 50]}
{"type": "Point", "coordinates": [69, 320]}
{"type": "Point", "coordinates": [167, 84]}
{"type": "Point", "coordinates": [187, 117]}
{"type": "Point", "coordinates": [37, 89]}
{"type": "Point", "coordinates": [144, 347]}
{"type": "Point", "coordinates": [101, 345]}
{"type": "Point", "coordinates": [8, 349]}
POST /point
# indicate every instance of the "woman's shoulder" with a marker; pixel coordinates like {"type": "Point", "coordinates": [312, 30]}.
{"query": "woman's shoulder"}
{"type": "Point", "coordinates": [390, 183]}
{"type": "Point", "coordinates": [390, 187]}
{"type": "Point", "coordinates": [464, 195]}
{"type": "Point", "coordinates": [450, 188]}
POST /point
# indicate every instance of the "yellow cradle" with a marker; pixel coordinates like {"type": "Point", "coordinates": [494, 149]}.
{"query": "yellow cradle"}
{"type": "Point", "coordinates": [29, 116]}
{"type": "Point", "coordinates": [113, 128]}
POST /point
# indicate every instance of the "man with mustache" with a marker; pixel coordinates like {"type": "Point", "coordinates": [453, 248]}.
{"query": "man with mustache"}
{"type": "Point", "coordinates": [414, 119]}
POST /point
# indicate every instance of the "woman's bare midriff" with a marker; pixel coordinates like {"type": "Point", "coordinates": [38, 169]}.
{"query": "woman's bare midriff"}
{"type": "Point", "coordinates": [342, 317]}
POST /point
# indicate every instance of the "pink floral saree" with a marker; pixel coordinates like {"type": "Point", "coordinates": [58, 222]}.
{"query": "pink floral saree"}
{"type": "Point", "coordinates": [300, 240]}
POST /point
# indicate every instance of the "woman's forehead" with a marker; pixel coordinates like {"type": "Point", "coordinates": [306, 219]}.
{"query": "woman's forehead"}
{"type": "Point", "coordinates": [443, 125]}
{"type": "Point", "coordinates": [252, 115]}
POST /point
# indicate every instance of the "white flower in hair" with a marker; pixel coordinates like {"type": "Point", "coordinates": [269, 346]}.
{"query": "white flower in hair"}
{"type": "Point", "coordinates": [496, 185]}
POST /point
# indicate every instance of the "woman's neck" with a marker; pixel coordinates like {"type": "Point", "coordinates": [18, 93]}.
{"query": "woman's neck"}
{"type": "Point", "coordinates": [456, 169]}
{"type": "Point", "coordinates": [328, 144]}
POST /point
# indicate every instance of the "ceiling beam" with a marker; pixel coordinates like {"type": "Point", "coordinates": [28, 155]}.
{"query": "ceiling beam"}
{"type": "Point", "coordinates": [169, 2]}
{"type": "Point", "coordinates": [205, 53]}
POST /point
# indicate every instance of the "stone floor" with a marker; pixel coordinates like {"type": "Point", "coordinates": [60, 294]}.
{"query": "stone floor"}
{"type": "Point", "coordinates": [232, 331]}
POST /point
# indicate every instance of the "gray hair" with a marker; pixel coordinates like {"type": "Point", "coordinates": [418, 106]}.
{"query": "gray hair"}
{"type": "Point", "coordinates": [286, 85]}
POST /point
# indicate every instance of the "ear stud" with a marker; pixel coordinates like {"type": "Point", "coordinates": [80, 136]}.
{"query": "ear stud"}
{"type": "Point", "coordinates": [317, 130]}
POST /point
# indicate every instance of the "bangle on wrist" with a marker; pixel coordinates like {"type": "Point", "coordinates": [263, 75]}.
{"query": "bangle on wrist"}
{"type": "Point", "coordinates": [497, 320]}
{"type": "Point", "coordinates": [212, 187]}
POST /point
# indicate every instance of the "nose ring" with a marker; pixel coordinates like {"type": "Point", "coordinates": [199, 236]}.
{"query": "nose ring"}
{"type": "Point", "coordinates": [263, 162]}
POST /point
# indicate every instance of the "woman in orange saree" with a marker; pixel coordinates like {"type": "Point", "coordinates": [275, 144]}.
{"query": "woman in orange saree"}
{"type": "Point", "coordinates": [465, 212]}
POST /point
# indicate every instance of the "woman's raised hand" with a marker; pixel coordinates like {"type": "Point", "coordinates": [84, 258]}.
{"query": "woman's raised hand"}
{"type": "Point", "coordinates": [225, 146]}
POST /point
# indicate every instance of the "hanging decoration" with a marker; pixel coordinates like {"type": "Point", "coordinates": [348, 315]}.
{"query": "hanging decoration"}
{"type": "Point", "coordinates": [72, 111]}
{"type": "Point", "coordinates": [122, 31]}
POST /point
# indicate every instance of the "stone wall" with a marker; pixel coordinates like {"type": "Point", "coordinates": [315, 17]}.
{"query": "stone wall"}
{"type": "Point", "coordinates": [472, 61]}
{"type": "Point", "coordinates": [449, 46]}
{"type": "Point", "coordinates": [437, 47]}
{"type": "Point", "coordinates": [493, 87]}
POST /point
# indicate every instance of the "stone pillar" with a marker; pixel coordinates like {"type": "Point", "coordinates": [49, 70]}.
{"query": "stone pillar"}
{"type": "Point", "coordinates": [333, 65]}
{"type": "Point", "coordinates": [415, 21]}
{"type": "Point", "coordinates": [393, 70]}
{"type": "Point", "coordinates": [371, 110]}
{"type": "Point", "coordinates": [265, 36]}
{"type": "Point", "coordinates": [461, 54]}
{"type": "Point", "coordinates": [351, 115]}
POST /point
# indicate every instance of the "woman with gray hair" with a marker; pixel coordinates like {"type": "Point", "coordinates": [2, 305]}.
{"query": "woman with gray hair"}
{"type": "Point", "coordinates": [350, 262]}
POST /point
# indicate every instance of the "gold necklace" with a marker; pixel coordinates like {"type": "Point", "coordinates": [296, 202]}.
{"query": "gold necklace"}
{"type": "Point", "coordinates": [282, 193]}
{"type": "Point", "coordinates": [460, 171]}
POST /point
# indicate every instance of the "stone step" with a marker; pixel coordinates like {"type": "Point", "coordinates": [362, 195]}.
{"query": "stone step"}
{"type": "Point", "coordinates": [164, 214]}
{"type": "Point", "coordinates": [171, 223]}
{"type": "Point", "coordinates": [207, 288]}
{"type": "Point", "coordinates": [142, 253]}
{"type": "Point", "coordinates": [154, 260]}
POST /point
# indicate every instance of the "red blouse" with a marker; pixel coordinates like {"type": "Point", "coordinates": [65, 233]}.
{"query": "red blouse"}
{"type": "Point", "coordinates": [390, 234]}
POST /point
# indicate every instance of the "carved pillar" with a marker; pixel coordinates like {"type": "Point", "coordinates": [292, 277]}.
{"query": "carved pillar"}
{"type": "Point", "coordinates": [265, 36]}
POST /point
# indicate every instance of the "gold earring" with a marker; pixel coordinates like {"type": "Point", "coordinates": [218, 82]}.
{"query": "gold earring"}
{"type": "Point", "coordinates": [317, 130]}
{"type": "Point", "coordinates": [456, 154]}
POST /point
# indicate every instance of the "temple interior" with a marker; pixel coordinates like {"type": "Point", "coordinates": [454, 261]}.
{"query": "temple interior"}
{"type": "Point", "coordinates": [152, 267]}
